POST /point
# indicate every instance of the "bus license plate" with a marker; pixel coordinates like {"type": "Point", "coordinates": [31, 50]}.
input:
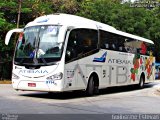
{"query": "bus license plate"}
{"type": "Point", "coordinates": [31, 84]}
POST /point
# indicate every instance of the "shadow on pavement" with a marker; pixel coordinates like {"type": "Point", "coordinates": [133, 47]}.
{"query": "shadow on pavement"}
{"type": "Point", "coordinates": [81, 94]}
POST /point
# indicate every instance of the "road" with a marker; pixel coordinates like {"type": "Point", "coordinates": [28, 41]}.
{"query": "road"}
{"type": "Point", "coordinates": [125, 100]}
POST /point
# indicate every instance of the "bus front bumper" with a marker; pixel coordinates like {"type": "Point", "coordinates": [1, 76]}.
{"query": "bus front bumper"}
{"type": "Point", "coordinates": [27, 85]}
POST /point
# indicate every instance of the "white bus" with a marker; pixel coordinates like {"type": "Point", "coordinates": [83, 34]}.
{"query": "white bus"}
{"type": "Point", "coordinates": [62, 52]}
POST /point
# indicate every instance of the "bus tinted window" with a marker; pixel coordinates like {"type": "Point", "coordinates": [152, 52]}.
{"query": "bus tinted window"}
{"type": "Point", "coordinates": [136, 46]}
{"type": "Point", "coordinates": [112, 41]}
{"type": "Point", "coordinates": [121, 43]}
{"type": "Point", "coordinates": [131, 45]}
{"type": "Point", "coordinates": [80, 42]}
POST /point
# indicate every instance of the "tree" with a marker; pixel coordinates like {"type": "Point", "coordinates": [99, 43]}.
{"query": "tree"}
{"type": "Point", "coordinates": [117, 13]}
{"type": "Point", "coordinates": [66, 6]}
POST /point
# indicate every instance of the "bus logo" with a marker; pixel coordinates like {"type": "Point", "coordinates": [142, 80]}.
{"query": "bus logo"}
{"type": "Point", "coordinates": [101, 59]}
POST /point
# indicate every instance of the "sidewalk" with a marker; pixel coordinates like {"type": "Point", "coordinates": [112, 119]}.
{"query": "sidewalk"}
{"type": "Point", "coordinates": [5, 81]}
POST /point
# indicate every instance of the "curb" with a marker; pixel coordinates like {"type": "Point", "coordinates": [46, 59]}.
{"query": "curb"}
{"type": "Point", "coordinates": [5, 82]}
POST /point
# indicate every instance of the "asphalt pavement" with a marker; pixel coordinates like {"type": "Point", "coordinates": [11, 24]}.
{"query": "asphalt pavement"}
{"type": "Point", "coordinates": [115, 100]}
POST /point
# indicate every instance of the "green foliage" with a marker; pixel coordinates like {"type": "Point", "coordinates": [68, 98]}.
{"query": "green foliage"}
{"type": "Point", "coordinates": [139, 21]}
{"type": "Point", "coordinates": [66, 6]}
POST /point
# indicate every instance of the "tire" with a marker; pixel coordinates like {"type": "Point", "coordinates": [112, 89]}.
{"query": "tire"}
{"type": "Point", "coordinates": [92, 88]}
{"type": "Point", "coordinates": [141, 83]}
{"type": "Point", "coordinates": [96, 90]}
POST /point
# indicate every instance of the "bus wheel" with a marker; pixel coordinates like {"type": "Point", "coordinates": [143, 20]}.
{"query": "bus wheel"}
{"type": "Point", "coordinates": [92, 88]}
{"type": "Point", "coordinates": [141, 82]}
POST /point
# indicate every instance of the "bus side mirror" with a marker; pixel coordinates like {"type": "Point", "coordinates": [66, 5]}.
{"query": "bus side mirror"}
{"type": "Point", "coordinates": [9, 34]}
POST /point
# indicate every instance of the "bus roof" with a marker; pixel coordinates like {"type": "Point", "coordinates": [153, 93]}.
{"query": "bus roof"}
{"type": "Point", "coordinates": [134, 37]}
{"type": "Point", "coordinates": [77, 21]}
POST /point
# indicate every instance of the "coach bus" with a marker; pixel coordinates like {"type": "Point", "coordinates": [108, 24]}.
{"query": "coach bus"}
{"type": "Point", "coordinates": [62, 52]}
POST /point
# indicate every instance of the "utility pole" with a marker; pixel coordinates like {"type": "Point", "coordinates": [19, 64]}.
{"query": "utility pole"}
{"type": "Point", "coordinates": [19, 12]}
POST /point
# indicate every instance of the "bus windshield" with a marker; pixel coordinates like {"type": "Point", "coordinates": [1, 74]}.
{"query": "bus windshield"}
{"type": "Point", "coordinates": [38, 45]}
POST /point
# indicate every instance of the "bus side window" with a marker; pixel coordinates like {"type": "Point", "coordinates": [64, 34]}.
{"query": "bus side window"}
{"type": "Point", "coordinates": [72, 42]}
{"type": "Point", "coordinates": [109, 40]}
{"type": "Point", "coordinates": [104, 40]}
{"type": "Point", "coordinates": [131, 45]}
{"type": "Point", "coordinates": [88, 40]}
{"type": "Point", "coordinates": [113, 47]}
{"type": "Point", "coordinates": [121, 46]}
{"type": "Point", "coordinates": [80, 42]}
{"type": "Point", "coordinates": [86, 44]}
{"type": "Point", "coordinates": [107, 46]}
{"type": "Point", "coordinates": [113, 40]}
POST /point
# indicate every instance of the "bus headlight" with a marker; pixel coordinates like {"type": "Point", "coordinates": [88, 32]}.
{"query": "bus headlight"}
{"type": "Point", "coordinates": [14, 76]}
{"type": "Point", "coordinates": [57, 76]}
